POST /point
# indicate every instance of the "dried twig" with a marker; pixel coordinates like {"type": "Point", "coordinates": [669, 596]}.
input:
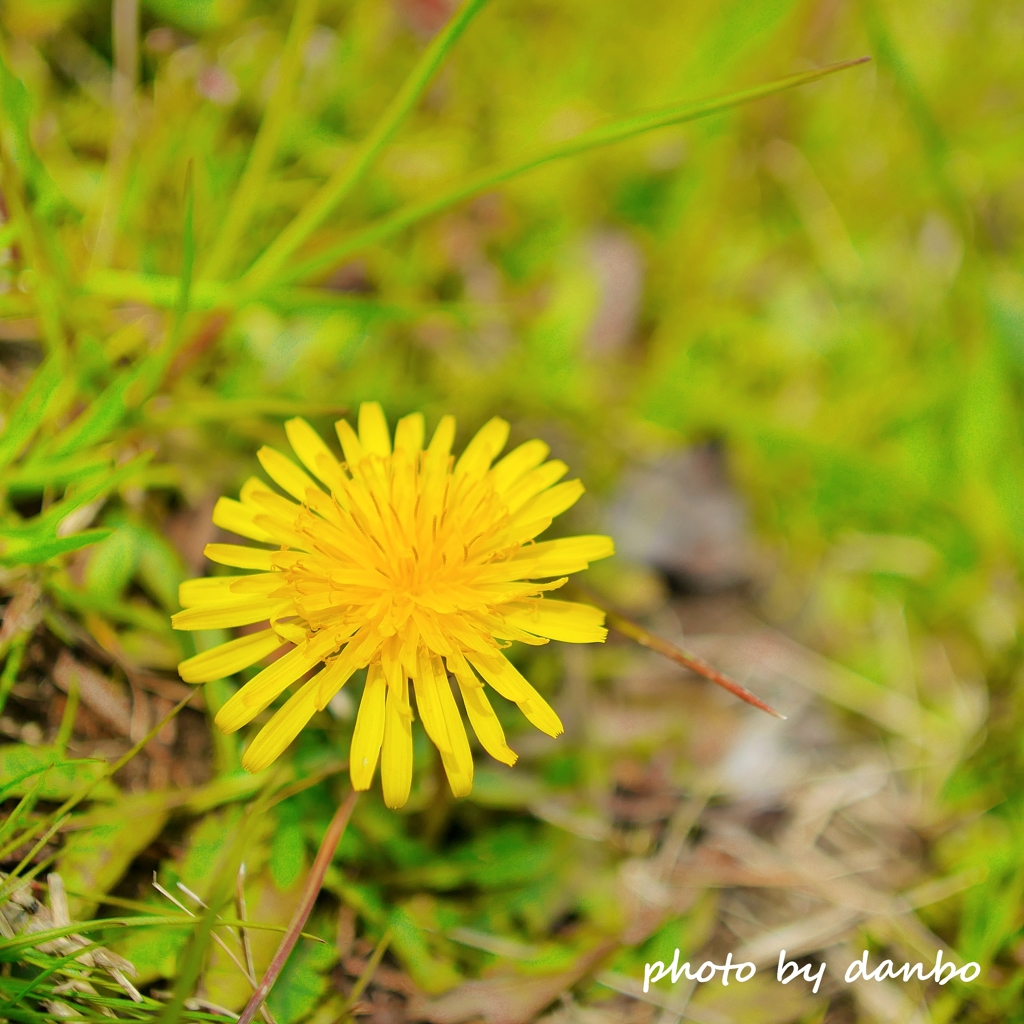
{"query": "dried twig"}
{"type": "Point", "coordinates": [324, 855]}
{"type": "Point", "coordinates": [653, 642]}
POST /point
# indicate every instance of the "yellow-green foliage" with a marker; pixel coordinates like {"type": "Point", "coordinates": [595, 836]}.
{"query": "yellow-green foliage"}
{"type": "Point", "coordinates": [827, 280]}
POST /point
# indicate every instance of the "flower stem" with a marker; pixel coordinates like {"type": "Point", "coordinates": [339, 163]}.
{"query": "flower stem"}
{"type": "Point", "coordinates": [653, 642]}
{"type": "Point", "coordinates": [324, 855]}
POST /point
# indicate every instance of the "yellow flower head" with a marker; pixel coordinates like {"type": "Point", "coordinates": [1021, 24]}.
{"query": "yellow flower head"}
{"type": "Point", "coordinates": [406, 562]}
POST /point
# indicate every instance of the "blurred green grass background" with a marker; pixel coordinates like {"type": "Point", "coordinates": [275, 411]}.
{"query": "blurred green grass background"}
{"type": "Point", "coordinates": [827, 283]}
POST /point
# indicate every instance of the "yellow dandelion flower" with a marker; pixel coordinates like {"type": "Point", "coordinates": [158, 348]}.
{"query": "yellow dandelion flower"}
{"type": "Point", "coordinates": [405, 562]}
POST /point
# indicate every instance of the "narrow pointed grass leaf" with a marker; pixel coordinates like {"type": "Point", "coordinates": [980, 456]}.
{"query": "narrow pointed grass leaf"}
{"type": "Point", "coordinates": [222, 890]}
{"type": "Point", "coordinates": [16, 104]}
{"type": "Point", "coordinates": [341, 183]}
{"type": "Point", "coordinates": [28, 415]}
{"type": "Point", "coordinates": [90, 491]}
{"type": "Point", "coordinates": [35, 473]}
{"type": "Point", "coordinates": [23, 809]}
{"type": "Point", "coordinates": [188, 255]}
{"type": "Point", "coordinates": [265, 145]}
{"type": "Point", "coordinates": [97, 421]}
{"type": "Point", "coordinates": [12, 667]}
{"type": "Point", "coordinates": [18, 551]}
{"type": "Point", "coordinates": [52, 969]}
{"type": "Point", "coordinates": [606, 135]}
{"type": "Point", "coordinates": [53, 820]}
{"type": "Point", "coordinates": [162, 292]}
{"type": "Point", "coordinates": [44, 935]}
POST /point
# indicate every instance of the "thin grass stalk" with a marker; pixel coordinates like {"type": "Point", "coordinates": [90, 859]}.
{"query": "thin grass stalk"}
{"type": "Point", "coordinates": [264, 147]}
{"type": "Point", "coordinates": [25, 805]}
{"type": "Point", "coordinates": [341, 183]}
{"type": "Point", "coordinates": [313, 779]}
{"type": "Point", "coordinates": [67, 719]}
{"type": "Point", "coordinates": [125, 32]}
{"type": "Point", "coordinates": [72, 801]}
{"type": "Point", "coordinates": [366, 976]}
{"type": "Point", "coordinates": [324, 856]}
{"type": "Point", "coordinates": [191, 965]}
{"type": "Point", "coordinates": [242, 911]}
{"type": "Point", "coordinates": [682, 657]}
{"type": "Point", "coordinates": [99, 925]}
{"type": "Point", "coordinates": [246, 969]}
{"type": "Point", "coordinates": [46, 293]}
{"type": "Point", "coordinates": [617, 131]}
{"type": "Point", "coordinates": [11, 668]}
{"type": "Point", "coordinates": [38, 980]}
{"type": "Point", "coordinates": [161, 291]}
{"type": "Point", "coordinates": [147, 908]}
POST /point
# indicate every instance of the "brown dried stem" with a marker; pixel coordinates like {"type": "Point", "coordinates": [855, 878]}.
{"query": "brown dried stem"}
{"type": "Point", "coordinates": [653, 642]}
{"type": "Point", "coordinates": [324, 855]}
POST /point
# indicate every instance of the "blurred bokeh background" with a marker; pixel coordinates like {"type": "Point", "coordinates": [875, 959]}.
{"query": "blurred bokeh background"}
{"type": "Point", "coordinates": [782, 345]}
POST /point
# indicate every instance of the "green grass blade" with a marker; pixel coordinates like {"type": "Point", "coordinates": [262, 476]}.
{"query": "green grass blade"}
{"type": "Point", "coordinates": [11, 668]}
{"type": "Point", "coordinates": [933, 139]}
{"type": "Point", "coordinates": [190, 968]}
{"type": "Point", "coordinates": [606, 135]}
{"type": "Point", "coordinates": [160, 290]}
{"type": "Point", "coordinates": [48, 521]}
{"type": "Point", "coordinates": [53, 820]}
{"type": "Point", "coordinates": [188, 256]}
{"type": "Point", "coordinates": [46, 295]}
{"type": "Point", "coordinates": [47, 973]}
{"type": "Point", "coordinates": [67, 720]}
{"type": "Point", "coordinates": [348, 175]}
{"type": "Point", "coordinates": [8, 234]}
{"type": "Point", "coordinates": [85, 927]}
{"type": "Point", "coordinates": [18, 551]}
{"type": "Point", "coordinates": [130, 389]}
{"type": "Point", "coordinates": [28, 415]}
{"type": "Point", "coordinates": [16, 105]}
{"type": "Point", "coordinates": [9, 784]}
{"type": "Point", "coordinates": [35, 474]}
{"type": "Point", "coordinates": [265, 145]}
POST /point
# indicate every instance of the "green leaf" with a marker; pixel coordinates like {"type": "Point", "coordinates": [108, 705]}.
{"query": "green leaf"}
{"type": "Point", "coordinates": [19, 762]}
{"type": "Point", "coordinates": [153, 951]}
{"type": "Point", "coordinates": [22, 551]}
{"type": "Point", "coordinates": [95, 859]}
{"type": "Point", "coordinates": [35, 474]}
{"type": "Point", "coordinates": [87, 491]}
{"type": "Point", "coordinates": [16, 105]}
{"type": "Point", "coordinates": [409, 943]}
{"type": "Point", "coordinates": [28, 414]}
{"type": "Point", "coordinates": [287, 849]}
{"type": "Point", "coordinates": [112, 565]}
{"type": "Point", "coordinates": [188, 255]}
{"type": "Point", "coordinates": [195, 16]}
{"type": "Point", "coordinates": [134, 614]}
{"type": "Point", "coordinates": [98, 420]}
{"type": "Point", "coordinates": [303, 982]}
{"type": "Point", "coordinates": [160, 569]}
{"type": "Point", "coordinates": [276, 115]}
